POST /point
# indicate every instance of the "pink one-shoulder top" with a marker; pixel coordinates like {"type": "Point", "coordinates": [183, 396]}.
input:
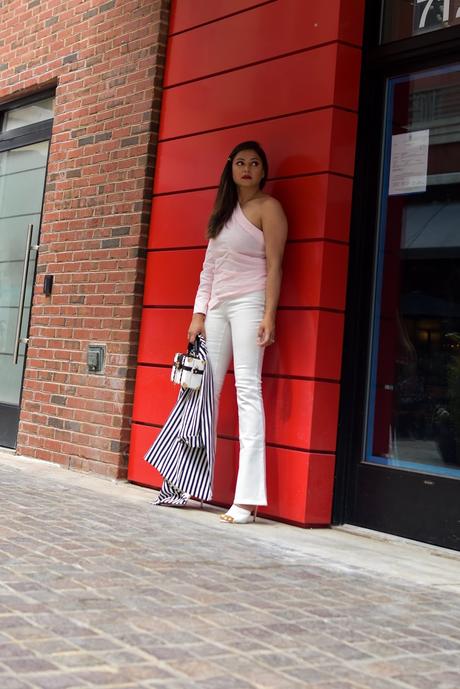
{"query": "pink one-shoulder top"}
{"type": "Point", "coordinates": [234, 264]}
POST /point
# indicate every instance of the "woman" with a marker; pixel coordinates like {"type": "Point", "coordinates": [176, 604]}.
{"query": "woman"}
{"type": "Point", "coordinates": [236, 304]}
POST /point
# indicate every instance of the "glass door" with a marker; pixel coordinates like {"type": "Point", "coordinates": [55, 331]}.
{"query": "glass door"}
{"type": "Point", "coordinates": [414, 401]}
{"type": "Point", "coordinates": [408, 478]}
{"type": "Point", "coordinates": [22, 179]}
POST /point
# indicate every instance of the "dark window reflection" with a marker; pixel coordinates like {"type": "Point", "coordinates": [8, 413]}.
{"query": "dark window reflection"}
{"type": "Point", "coordinates": [414, 419]}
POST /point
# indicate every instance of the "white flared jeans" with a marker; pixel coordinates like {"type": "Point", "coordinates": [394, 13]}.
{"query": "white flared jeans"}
{"type": "Point", "coordinates": [231, 328]}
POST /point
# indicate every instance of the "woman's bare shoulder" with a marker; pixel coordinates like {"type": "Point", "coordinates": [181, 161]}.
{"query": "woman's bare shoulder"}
{"type": "Point", "coordinates": [269, 203]}
{"type": "Point", "coordinates": [270, 206]}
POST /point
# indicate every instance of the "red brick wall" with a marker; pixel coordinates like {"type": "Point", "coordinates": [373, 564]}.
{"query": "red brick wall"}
{"type": "Point", "coordinates": [106, 59]}
{"type": "Point", "coordinates": [285, 73]}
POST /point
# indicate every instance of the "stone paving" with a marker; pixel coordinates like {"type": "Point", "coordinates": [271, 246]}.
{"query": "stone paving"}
{"type": "Point", "coordinates": [100, 591]}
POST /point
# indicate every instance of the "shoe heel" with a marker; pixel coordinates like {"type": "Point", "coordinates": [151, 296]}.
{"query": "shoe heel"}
{"type": "Point", "coordinates": [202, 501]}
{"type": "Point", "coordinates": [255, 514]}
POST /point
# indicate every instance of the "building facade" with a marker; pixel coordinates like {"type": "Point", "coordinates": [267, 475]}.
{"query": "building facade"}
{"type": "Point", "coordinates": [84, 184]}
{"type": "Point", "coordinates": [116, 119]}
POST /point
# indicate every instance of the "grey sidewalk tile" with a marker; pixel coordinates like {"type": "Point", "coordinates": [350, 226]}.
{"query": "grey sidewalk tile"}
{"type": "Point", "coordinates": [121, 657]}
{"type": "Point", "coordinates": [76, 659]}
{"type": "Point", "coordinates": [163, 602]}
{"type": "Point", "coordinates": [272, 681]}
{"type": "Point", "coordinates": [57, 681]}
{"type": "Point", "coordinates": [275, 660]}
{"type": "Point", "coordinates": [393, 668]}
{"type": "Point", "coordinates": [226, 682]}
{"type": "Point", "coordinates": [208, 650]}
{"type": "Point", "coordinates": [93, 643]}
{"type": "Point", "coordinates": [170, 653]}
{"type": "Point", "coordinates": [378, 683]}
{"type": "Point", "coordinates": [12, 650]}
{"type": "Point", "coordinates": [174, 684]}
{"type": "Point", "coordinates": [246, 645]}
{"type": "Point", "coordinates": [195, 669]}
{"type": "Point", "coordinates": [308, 674]}
{"type": "Point", "coordinates": [381, 649]}
{"type": "Point", "coordinates": [336, 684]}
{"type": "Point", "coordinates": [450, 658]}
{"type": "Point", "coordinates": [361, 678]}
{"type": "Point", "coordinates": [442, 643]}
{"type": "Point", "coordinates": [313, 656]}
{"type": "Point", "coordinates": [432, 681]}
{"type": "Point", "coordinates": [29, 665]}
{"type": "Point", "coordinates": [8, 682]}
{"type": "Point", "coordinates": [250, 670]}
{"type": "Point", "coordinates": [138, 673]}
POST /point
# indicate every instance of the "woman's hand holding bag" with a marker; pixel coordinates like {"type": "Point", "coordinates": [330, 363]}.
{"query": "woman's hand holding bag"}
{"type": "Point", "coordinates": [196, 327]}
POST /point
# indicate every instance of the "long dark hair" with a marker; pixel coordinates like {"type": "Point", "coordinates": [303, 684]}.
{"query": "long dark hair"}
{"type": "Point", "coordinates": [227, 194]}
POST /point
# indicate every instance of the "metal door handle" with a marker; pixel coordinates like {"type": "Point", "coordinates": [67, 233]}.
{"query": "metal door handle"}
{"type": "Point", "coordinates": [22, 297]}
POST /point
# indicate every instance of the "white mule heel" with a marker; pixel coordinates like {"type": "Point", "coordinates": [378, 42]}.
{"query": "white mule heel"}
{"type": "Point", "coordinates": [239, 515]}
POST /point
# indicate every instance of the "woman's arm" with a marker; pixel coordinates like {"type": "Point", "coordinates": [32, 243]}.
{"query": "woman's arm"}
{"type": "Point", "coordinates": [274, 225]}
{"type": "Point", "coordinates": [202, 296]}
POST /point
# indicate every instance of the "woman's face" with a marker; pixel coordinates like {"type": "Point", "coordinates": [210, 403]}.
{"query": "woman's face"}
{"type": "Point", "coordinates": [247, 169]}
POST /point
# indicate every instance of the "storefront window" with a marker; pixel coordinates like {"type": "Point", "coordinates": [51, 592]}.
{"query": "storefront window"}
{"type": "Point", "coordinates": [414, 393]}
{"type": "Point", "coordinates": [405, 18]}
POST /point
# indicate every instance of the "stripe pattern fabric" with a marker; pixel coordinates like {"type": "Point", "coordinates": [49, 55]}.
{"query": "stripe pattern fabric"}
{"type": "Point", "coordinates": [184, 451]}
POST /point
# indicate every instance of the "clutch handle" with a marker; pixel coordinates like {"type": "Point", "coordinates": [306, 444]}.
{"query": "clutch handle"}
{"type": "Point", "coordinates": [194, 347]}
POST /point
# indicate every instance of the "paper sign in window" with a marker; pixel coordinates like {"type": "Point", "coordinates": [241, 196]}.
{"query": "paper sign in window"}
{"type": "Point", "coordinates": [409, 162]}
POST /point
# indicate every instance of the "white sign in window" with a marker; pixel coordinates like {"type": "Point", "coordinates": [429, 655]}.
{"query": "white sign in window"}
{"type": "Point", "coordinates": [409, 162]}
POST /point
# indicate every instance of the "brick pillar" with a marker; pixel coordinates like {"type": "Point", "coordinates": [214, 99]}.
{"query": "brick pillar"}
{"type": "Point", "coordinates": [106, 59]}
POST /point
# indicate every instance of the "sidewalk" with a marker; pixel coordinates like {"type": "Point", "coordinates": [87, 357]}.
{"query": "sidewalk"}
{"type": "Point", "coordinates": [100, 589]}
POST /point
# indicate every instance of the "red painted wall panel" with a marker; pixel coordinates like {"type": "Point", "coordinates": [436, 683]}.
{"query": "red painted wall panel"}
{"type": "Point", "coordinates": [186, 14]}
{"type": "Point", "coordinates": [287, 480]}
{"type": "Point", "coordinates": [313, 333]}
{"type": "Point", "coordinates": [277, 28]}
{"type": "Point", "coordinates": [351, 21]}
{"type": "Point", "coordinates": [162, 331]}
{"type": "Point", "coordinates": [314, 275]}
{"type": "Point", "coordinates": [320, 486]}
{"type": "Point", "coordinates": [264, 90]}
{"type": "Point", "coordinates": [306, 344]}
{"type": "Point", "coordinates": [139, 470]}
{"type": "Point", "coordinates": [292, 408]}
{"type": "Point", "coordinates": [180, 220]}
{"type": "Point", "coordinates": [172, 276]}
{"type": "Point", "coordinates": [154, 395]}
{"type": "Point", "coordinates": [317, 206]}
{"type": "Point", "coordinates": [221, 90]}
{"type": "Point", "coordinates": [329, 345]}
{"type": "Point", "coordinates": [295, 145]}
{"type": "Point", "coordinates": [343, 135]}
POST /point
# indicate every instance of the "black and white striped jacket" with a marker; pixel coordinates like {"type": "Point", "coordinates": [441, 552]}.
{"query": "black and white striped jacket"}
{"type": "Point", "coordinates": [184, 451]}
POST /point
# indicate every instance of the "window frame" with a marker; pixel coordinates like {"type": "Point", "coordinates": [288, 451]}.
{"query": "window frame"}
{"type": "Point", "coordinates": [31, 133]}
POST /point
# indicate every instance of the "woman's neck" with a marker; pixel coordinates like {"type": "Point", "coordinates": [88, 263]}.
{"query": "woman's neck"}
{"type": "Point", "coordinates": [246, 195]}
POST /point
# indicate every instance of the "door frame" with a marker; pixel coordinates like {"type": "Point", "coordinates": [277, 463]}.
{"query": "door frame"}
{"type": "Point", "coordinates": [10, 140]}
{"type": "Point", "coordinates": [354, 481]}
